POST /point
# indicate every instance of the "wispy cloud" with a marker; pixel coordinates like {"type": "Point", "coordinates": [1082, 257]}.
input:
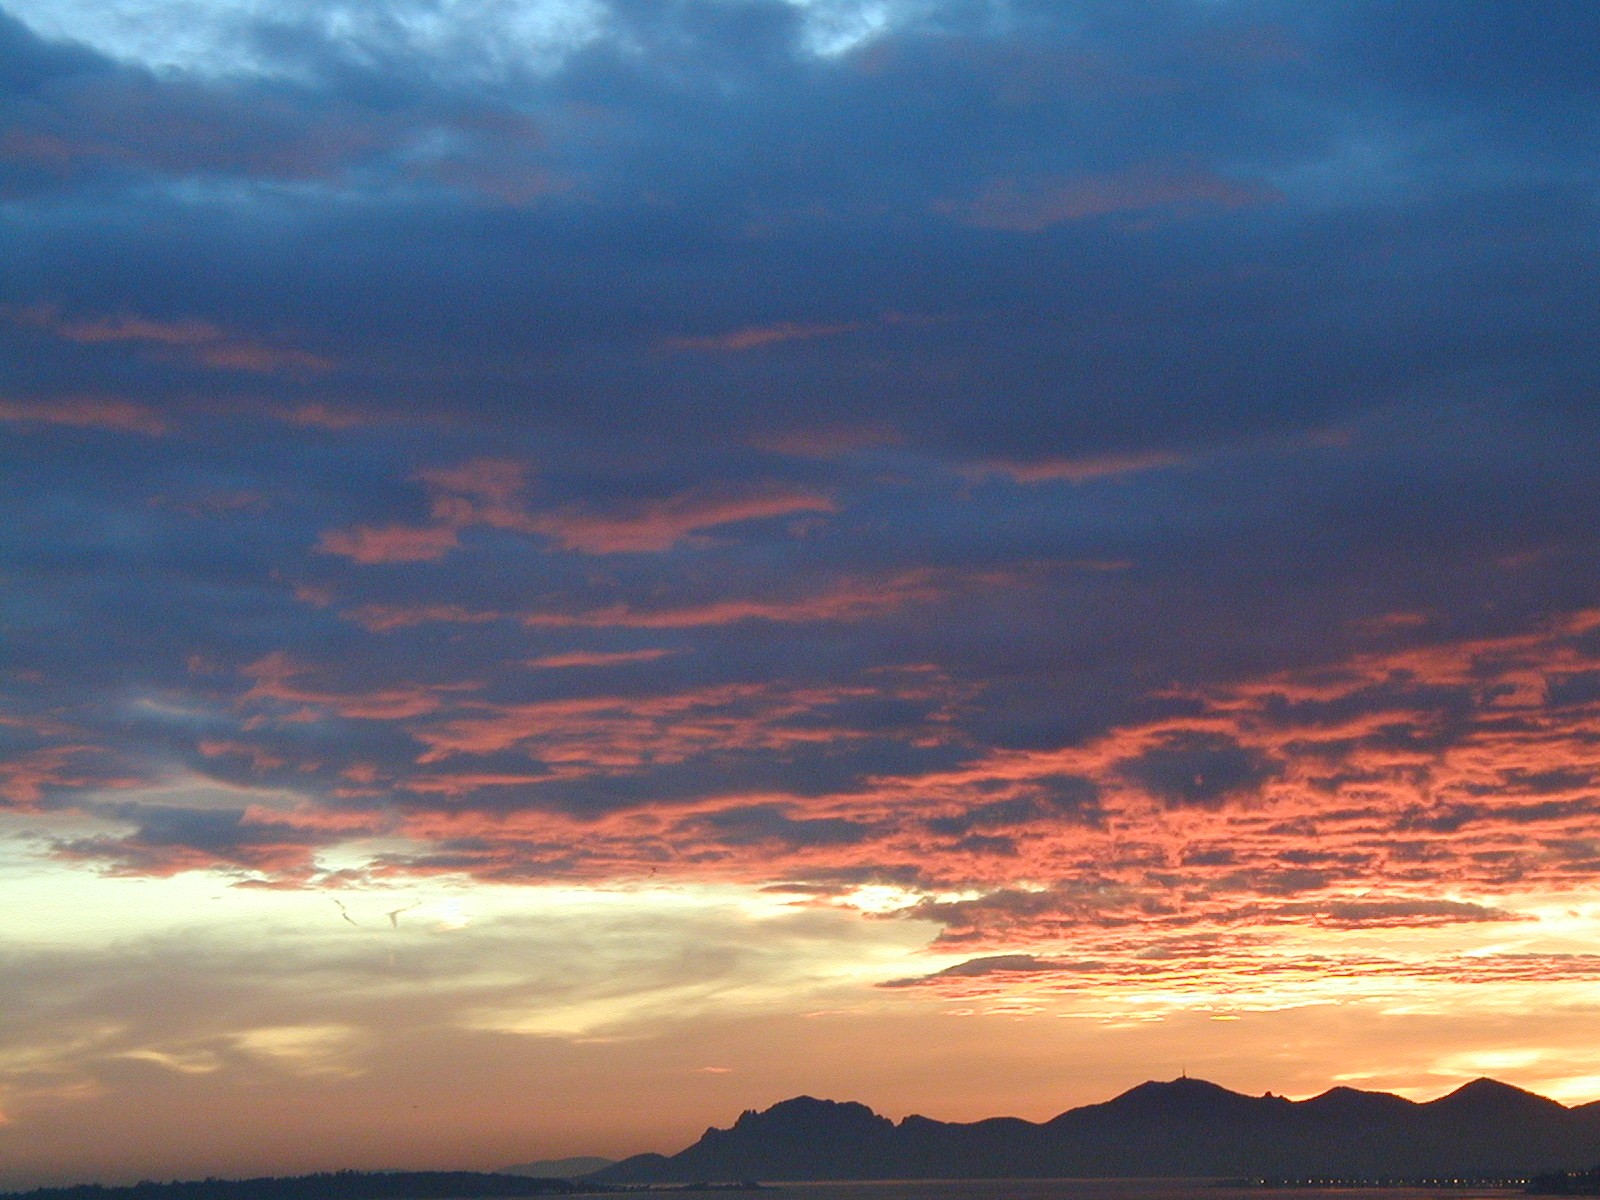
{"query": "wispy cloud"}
{"type": "Point", "coordinates": [85, 412]}
{"type": "Point", "coordinates": [197, 341]}
{"type": "Point", "coordinates": [754, 337]}
{"type": "Point", "coordinates": [489, 493]}
{"type": "Point", "coordinates": [593, 658]}
{"type": "Point", "coordinates": [1080, 470]}
{"type": "Point", "coordinates": [370, 545]}
{"type": "Point", "coordinates": [1034, 205]}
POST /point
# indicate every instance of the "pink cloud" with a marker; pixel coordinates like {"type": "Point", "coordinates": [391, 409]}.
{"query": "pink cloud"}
{"type": "Point", "coordinates": [370, 544]}
{"type": "Point", "coordinates": [481, 491]}
{"type": "Point", "coordinates": [85, 412]}
{"type": "Point", "coordinates": [197, 341]}
{"type": "Point", "coordinates": [467, 783]}
{"type": "Point", "coordinates": [277, 677]}
{"type": "Point", "coordinates": [589, 734]}
{"type": "Point", "coordinates": [323, 416]}
{"type": "Point", "coordinates": [755, 336]}
{"type": "Point", "coordinates": [488, 492]}
{"type": "Point", "coordinates": [847, 601]}
{"type": "Point", "coordinates": [381, 618]}
{"type": "Point", "coordinates": [582, 658]}
{"type": "Point", "coordinates": [24, 778]}
{"type": "Point", "coordinates": [1081, 470]}
{"type": "Point", "coordinates": [660, 524]}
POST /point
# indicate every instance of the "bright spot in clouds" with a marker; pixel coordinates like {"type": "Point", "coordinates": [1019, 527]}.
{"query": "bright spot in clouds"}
{"type": "Point", "coordinates": [491, 39]}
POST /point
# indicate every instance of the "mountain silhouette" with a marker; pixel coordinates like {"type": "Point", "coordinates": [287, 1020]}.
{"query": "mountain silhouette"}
{"type": "Point", "coordinates": [1181, 1127]}
{"type": "Point", "coordinates": [558, 1168]}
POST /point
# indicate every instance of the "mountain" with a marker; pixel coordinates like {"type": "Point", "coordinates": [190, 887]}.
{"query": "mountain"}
{"type": "Point", "coordinates": [558, 1168]}
{"type": "Point", "coordinates": [1182, 1127]}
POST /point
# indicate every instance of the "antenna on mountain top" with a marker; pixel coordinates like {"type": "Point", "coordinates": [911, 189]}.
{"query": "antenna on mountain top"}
{"type": "Point", "coordinates": [1183, 1072]}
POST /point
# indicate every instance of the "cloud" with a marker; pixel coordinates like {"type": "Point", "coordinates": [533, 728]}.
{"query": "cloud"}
{"type": "Point", "coordinates": [276, 678]}
{"type": "Point", "coordinates": [369, 545]}
{"type": "Point", "coordinates": [1036, 205]}
{"type": "Point", "coordinates": [591, 658]}
{"type": "Point", "coordinates": [1409, 912]}
{"type": "Point", "coordinates": [198, 341]}
{"type": "Point", "coordinates": [170, 839]}
{"type": "Point", "coordinates": [1082, 470]}
{"type": "Point", "coordinates": [848, 600]}
{"type": "Point", "coordinates": [1094, 484]}
{"type": "Point", "coordinates": [85, 412]}
{"type": "Point", "coordinates": [25, 777]}
{"type": "Point", "coordinates": [765, 824]}
{"type": "Point", "coordinates": [488, 493]}
{"type": "Point", "coordinates": [659, 525]}
{"type": "Point", "coordinates": [1001, 965]}
{"type": "Point", "coordinates": [757, 336]}
{"type": "Point", "coordinates": [1199, 768]}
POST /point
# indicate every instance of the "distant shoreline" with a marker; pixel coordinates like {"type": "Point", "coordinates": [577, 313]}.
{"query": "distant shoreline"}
{"type": "Point", "coordinates": [363, 1185]}
{"type": "Point", "coordinates": [474, 1185]}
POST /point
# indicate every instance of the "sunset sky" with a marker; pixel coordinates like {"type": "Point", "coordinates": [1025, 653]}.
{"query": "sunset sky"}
{"type": "Point", "coordinates": [572, 567]}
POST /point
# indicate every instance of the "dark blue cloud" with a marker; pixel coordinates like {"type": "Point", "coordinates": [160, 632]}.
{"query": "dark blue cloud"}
{"type": "Point", "coordinates": [1103, 352]}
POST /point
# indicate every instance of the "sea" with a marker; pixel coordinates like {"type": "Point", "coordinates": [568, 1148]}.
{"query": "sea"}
{"type": "Point", "coordinates": [1100, 1189]}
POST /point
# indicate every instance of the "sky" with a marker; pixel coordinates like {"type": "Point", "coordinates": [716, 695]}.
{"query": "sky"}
{"type": "Point", "coordinates": [569, 568]}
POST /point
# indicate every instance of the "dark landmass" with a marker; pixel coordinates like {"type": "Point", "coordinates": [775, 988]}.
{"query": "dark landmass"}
{"type": "Point", "coordinates": [329, 1185]}
{"type": "Point", "coordinates": [1474, 1182]}
{"type": "Point", "coordinates": [1567, 1183]}
{"type": "Point", "coordinates": [1182, 1128]}
{"type": "Point", "coordinates": [559, 1168]}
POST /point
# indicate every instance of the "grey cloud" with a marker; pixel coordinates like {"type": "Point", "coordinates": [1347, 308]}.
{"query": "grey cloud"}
{"type": "Point", "coordinates": [1347, 457]}
{"type": "Point", "coordinates": [1200, 769]}
{"type": "Point", "coordinates": [1052, 798]}
{"type": "Point", "coordinates": [1414, 912]}
{"type": "Point", "coordinates": [759, 824]}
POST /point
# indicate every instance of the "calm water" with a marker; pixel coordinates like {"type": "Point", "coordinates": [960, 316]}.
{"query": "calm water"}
{"type": "Point", "coordinates": [1090, 1189]}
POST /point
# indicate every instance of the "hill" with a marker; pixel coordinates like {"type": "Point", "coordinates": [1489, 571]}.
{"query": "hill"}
{"type": "Point", "coordinates": [1182, 1127]}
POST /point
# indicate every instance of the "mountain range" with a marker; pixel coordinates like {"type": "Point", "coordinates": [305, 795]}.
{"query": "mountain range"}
{"type": "Point", "coordinates": [1181, 1127]}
